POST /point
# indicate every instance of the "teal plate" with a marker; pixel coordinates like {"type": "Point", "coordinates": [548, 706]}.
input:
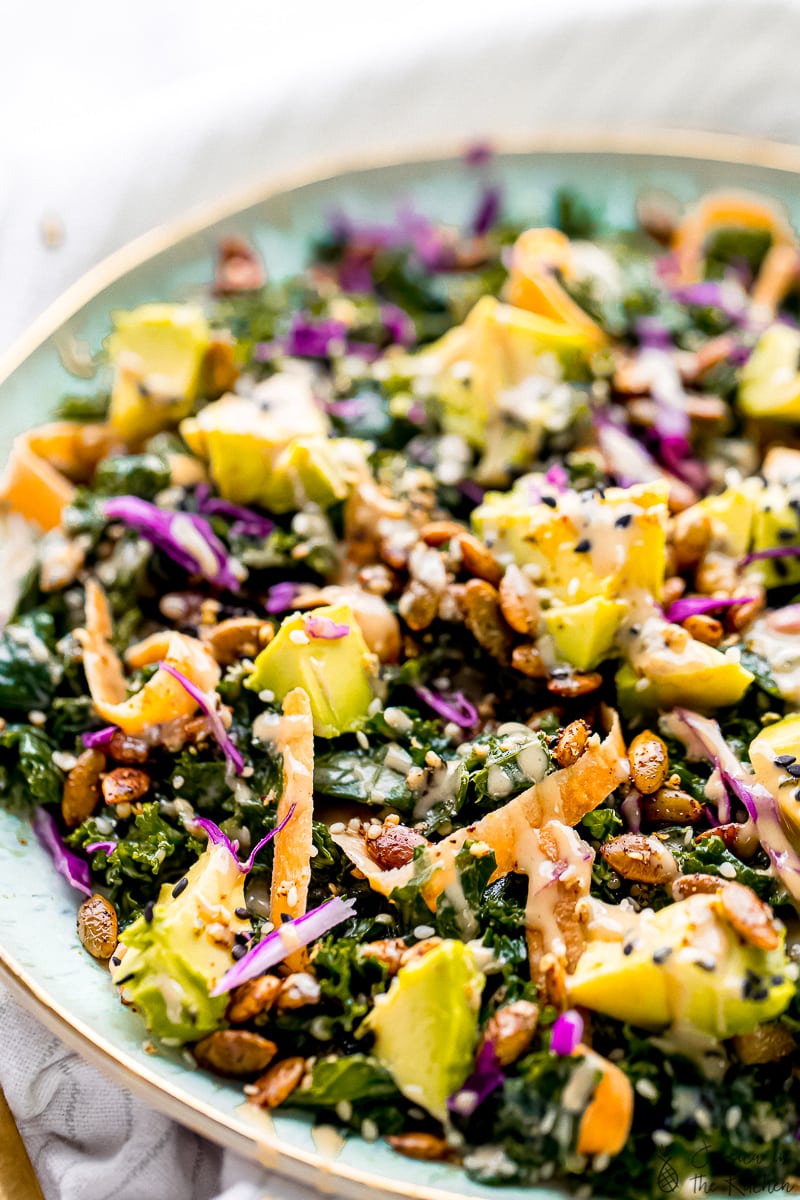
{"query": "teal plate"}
{"type": "Point", "coordinates": [40, 954]}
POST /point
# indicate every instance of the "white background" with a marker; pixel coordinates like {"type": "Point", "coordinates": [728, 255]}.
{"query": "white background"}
{"type": "Point", "coordinates": [118, 116]}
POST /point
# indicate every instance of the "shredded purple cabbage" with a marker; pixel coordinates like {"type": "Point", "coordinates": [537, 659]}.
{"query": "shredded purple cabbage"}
{"type": "Point", "coordinates": [398, 325]}
{"type": "Point", "coordinates": [627, 460]}
{"type": "Point", "coordinates": [453, 706]}
{"type": "Point", "coordinates": [771, 552]}
{"type": "Point", "coordinates": [284, 940]}
{"type": "Point", "coordinates": [478, 154]}
{"type": "Point", "coordinates": [471, 490]}
{"type": "Point", "coordinates": [281, 596]}
{"type": "Point", "coordinates": [109, 847]}
{"type": "Point", "coordinates": [245, 520]}
{"type": "Point", "coordinates": [763, 810]}
{"type": "Point", "coordinates": [218, 838]}
{"type": "Point", "coordinates": [631, 809]}
{"type": "Point", "coordinates": [692, 606]}
{"type": "Point", "coordinates": [209, 707]}
{"type": "Point", "coordinates": [723, 294]}
{"type": "Point", "coordinates": [558, 477]}
{"type": "Point", "coordinates": [653, 334]}
{"type": "Point", "coordinates": [157, 525]}
{"type": "Point", "coordinates": [75, 870]}
{"type": "Point", "coordinates": [486, 214]}
{"type": "Point", "coordinates": [314, 339]}
{"type": "Point", "coordinates": [566, 1033]}
{"type": "Point", "coordinates": [325, 628]}
{"type": "Point", "coordinates": [486, 1077]}
{"type": "Point", "coordinates": [98, 737]}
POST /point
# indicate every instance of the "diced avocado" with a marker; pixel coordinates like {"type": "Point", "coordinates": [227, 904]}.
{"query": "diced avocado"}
{"type": "Point", "coordinates": [769, 382]}
{"type": "Point", "coordinates": [584, 633]}
{"type": "Point", "coordinates": [679, 670]}
{"type": "Point", "coordinates": [776, 522]}
{"type": "Point", "coordinates": [781, 740]}
{"type": "Point", "coordinates": [731, 514]}
{"type": "Point", "coordinates": [157, 352]}
{"type": "Point", "coordinates": [336, 672]}
{"type": "Point", "coordinates": [495, 349]}
{"type": "Point", "coordinates": [687, 965]}
{"type": "Point", "coordinates": [172, 962]}
{"type": "Point", "coordinates": [426, 1025]}
{"type": "Point", "coordinates": [272, 449]}
{"type": "Point", "coordinates": [586, 545]}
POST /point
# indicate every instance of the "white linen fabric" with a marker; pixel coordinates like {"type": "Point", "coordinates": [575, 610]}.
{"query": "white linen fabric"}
{"type": "Point", "coordinates": [120, 117]}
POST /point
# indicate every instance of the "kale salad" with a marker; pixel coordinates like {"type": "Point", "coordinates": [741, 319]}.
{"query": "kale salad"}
{"type": "Point", "coordinates": [407, 681]}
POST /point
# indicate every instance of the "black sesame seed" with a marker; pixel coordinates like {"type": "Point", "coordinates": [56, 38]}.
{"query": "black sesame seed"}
{"type": "Point", "coordinates": [634, 631]}
{"type": "Point", "coordinates": [583, 546]}
{"type": "Point", "coordinates": [706, 963]}
{"type": "Point", "coordinates": [238, 952]}
{"type": "Point", "coordinates": [661, 955]}
{"type": "Point", "coordinates": [760, 994]}
{"type": "Point", "coordinates": [116, 961]}
{"type": "Point", "coordinates": [794, 770]}
{"type": "Point", "coordinates": [628, 948]}
{"type": "Point", "coordinates": [785, 760]}
{"type": "Point", "coordinates": [550, 501]}
{"type": "Point", "coordinates": [777, 980]}
{"type": "Point", "coordinates": [125, 979]}
{"type": "Point", "coordinates": [180, 886]}
{"type": "Point", "coordinates": [241, 913]}
{"type": "Point", "coordinates": [148, 911]}
{"type": "Point", "coordinates": [242, 938]}
{"type": "Point", "coordinates": [786, 535]}
{"type": "Point", "coordinates": [797, 793]}
{"type": "Point", "coordinates": [624, 521]}
{"type": "Point", "coordinates": [780, 567]}
{"type": "Point", "coordinates": [285, 917]}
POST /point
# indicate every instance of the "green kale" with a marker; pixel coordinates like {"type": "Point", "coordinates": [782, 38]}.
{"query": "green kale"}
{"type": "Point", "coordinates": [362, 776]}
{"type": "Point", "coordinates": [601, 824]}
{"type": "Point", "coordinates": [30, 775]}
{"type": "Point", "coordinates": [709, 854]}
{"type": "Point", "coordinates": [150, 851]}
{"type": "Point", "coordinates": [351, 1078]}
{"type": "Point", "coordinates": [29, 671]}
{"type": "Point", "coordinates": [761, 669]}
{"type": "Point", "coordinates": [143, 475]}
{"type": "Point", "coordinates": [75, 407]}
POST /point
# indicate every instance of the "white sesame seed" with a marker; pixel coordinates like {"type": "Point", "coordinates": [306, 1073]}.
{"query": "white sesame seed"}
{"type": "Point", "coordinates": [728, 870]}
{"type": "Point", "coordinates": [344, 1110]}
{"type": "Point", "coordinates": [291, 898]}
{"type": "Point", "coordinates": [374, 832]}
{"type": "Point", "coordinates": [424, 931]}
{"type": "Point", "coordinates": [733, 1116]}
{"type": "Point", "coordinates": [35, 717]}
{"type": "Point", "coordinates": [647, 1089]}
{"type": "Point", "coordinates": [336, 827]}
{"type": "Point", "coordinates": [266, 696]}
{"type": "Point", "coordinates": [299, 637]}
{"type": "Point", "coordinates": [369, 1130]}
{"type": "Point", "coordinates": [63, 761]}
{"type": "Point", "coordinates": [177, 781]}
{"type": "Point", "coordinates": [362, 739]}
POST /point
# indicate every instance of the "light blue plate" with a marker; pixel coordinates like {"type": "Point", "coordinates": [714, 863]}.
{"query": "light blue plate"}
{"type": "Point", "coordinates": [39, 949]}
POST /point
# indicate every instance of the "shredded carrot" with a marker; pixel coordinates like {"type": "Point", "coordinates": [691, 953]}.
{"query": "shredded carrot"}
{"type": "Point", "coordinates": [162, 698]}
{"type": "Point", "coordinates": [606, 1123]}
{"type": "Point", "coordinates": [291, 872]}
{"type": "Point", "coordinates": [534, 284]}
{"type": "Point", "coordinates": [724, 210]}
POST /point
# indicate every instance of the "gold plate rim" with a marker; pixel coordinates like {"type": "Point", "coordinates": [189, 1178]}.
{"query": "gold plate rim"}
{"type": "Point", "coordinates": [697, 145]}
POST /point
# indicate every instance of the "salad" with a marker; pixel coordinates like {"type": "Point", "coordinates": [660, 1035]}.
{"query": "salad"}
{"type": "Point", "coordinates": [407, 681]}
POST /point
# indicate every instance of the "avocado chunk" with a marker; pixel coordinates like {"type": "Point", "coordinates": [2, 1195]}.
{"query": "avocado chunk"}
{"type": "Point", "coordinates": [502, 346]}
{"type": "Point", "coordinates": [273, 448]}
{"type": "Point", "coordinates": [731, 514]}
{"type": "Point", "coordinates": [157, 351]}
{"type": "Point", "coordinates": [776, 522]}
{"type": "Point", "coordinates": [172, 962]}
{"type": "Point", "coordinates": [668, 668]}
{"type": "Point", "coordinates": [336, 672]}
{"type": "Point", "coordinates": [769, 382]}
{"type": "Point", "coordinates": [685, 966]}
{"type": "Point", "coordinates": [587, 545]}
{"type": "Point", "coordinates": [780, 741]}
{"type": "Point", "coordinates": [584, 633]}
{"type": "Point", "coordinates": [426, 1025]}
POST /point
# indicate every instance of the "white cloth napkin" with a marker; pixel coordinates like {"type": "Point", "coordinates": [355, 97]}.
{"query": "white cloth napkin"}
{"type": "Point", "coordinates": [119, 117]}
